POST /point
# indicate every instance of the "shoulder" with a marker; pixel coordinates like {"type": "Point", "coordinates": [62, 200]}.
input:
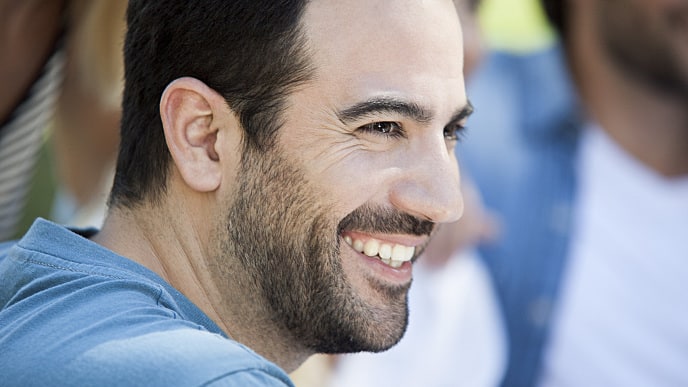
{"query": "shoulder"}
{"type": "Point", "coordinates": [74, 314]}
{"type": "Point", "coordinates": [182, 357]}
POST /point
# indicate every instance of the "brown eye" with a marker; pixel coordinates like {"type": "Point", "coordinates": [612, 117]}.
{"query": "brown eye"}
{"type": "Point", "coordinates": [454, 132]}
{"type": "Point", "coordinates": [388, 128]}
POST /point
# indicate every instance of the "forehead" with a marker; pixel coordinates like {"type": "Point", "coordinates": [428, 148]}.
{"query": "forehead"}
{"type": "Point", "coordinates": [410, 47]}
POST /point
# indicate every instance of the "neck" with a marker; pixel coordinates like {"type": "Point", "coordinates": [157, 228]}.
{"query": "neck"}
{"type": "Point", "coordinates": [163, 239]}
{"type": "Point", "coordinates": [649, 123]}
{"type": "Point", "coordinates": [175, 241]}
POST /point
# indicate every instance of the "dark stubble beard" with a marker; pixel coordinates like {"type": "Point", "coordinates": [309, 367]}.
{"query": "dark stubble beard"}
{"type": "Point", "coordinates": [287, 243]}
{"type": "Point", "coordinates": [643, 50]}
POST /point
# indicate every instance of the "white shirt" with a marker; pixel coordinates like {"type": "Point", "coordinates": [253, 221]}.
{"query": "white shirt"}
{"type": "Point", "coordinates": [623, 316]}
{"type": "Point", "coordinates": [454, 336]}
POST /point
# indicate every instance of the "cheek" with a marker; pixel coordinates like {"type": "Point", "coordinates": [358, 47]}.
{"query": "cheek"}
{"type": "Point", "coordinates": [360, 178]}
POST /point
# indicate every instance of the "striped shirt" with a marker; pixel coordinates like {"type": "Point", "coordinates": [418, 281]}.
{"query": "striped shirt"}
{"type": "Point", "coordinates": [21, 139]}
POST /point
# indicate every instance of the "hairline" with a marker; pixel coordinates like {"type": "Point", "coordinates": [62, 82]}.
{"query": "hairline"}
{"type": "Point", "coordinates": [132, 193]}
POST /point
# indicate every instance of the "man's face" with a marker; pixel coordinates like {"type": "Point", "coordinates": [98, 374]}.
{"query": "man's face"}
{"type": "Point", "coordinates": [327, 222]}
{"type": "Point", "coordinates": [648, 40]}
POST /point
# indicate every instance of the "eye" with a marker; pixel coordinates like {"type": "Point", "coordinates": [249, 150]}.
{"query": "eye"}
{"type": "Point", "coordinates": [454, 132]}
{"type": "Point", "coordinates": [386, 128]}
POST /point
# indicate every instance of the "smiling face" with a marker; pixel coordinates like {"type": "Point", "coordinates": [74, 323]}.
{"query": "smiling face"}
{"type": "Point", "coordinates": [327, 223]}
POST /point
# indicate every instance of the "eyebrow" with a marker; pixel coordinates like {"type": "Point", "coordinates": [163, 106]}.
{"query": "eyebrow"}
{"type": "Point", "coordinates": [384, 105]}
{"type": "Point", "coordinates": [393, 105]}
{"type": "Point", "coordinates": [463, 112]}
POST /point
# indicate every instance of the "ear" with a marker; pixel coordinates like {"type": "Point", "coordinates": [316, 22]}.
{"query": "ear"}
{"type": "Point", "coordinates": [193, 115]}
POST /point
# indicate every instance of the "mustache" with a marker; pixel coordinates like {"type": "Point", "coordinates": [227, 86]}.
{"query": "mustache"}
{"type": "Point", "coordinates": [378, 219]}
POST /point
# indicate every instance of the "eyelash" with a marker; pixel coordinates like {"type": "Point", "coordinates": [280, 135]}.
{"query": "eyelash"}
{"type": "Point", "coordinates": [384, 128]}
{"type": "Point", "coordinates": [455, 132]}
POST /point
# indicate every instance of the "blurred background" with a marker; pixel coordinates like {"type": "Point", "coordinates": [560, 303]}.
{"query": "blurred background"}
{"type": "Point", "coordinates": [570, 263]}
{"type": "Point", "coordinates": [59, 110]}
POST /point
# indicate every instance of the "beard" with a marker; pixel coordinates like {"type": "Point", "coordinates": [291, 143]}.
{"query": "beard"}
{"type": "Point", "coordinates": [643, 47]}
{"type": "Point", "coordinates": [283, 234]}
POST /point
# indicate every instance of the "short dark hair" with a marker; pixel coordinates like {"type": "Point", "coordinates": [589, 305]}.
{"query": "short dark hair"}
{"type": "Point", "coordinates": [252, 52]}
{"type": "Point", "coordinates": [555, 11]}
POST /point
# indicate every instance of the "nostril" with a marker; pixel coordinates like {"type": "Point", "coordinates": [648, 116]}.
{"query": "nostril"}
{"type": "Point", "coordinates": [435, 204]}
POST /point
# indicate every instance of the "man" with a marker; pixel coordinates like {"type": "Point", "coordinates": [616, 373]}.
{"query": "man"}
{"type": "Point", "coordinates": [454, 336]}
{"type": "Point", "coordinates": [281, 166]}
{"type": "Point", "coordinates": [592, 188]}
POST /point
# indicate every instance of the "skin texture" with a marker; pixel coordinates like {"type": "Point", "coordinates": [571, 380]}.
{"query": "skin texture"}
{"type": "Point", "coordinates": [255, 238]}
{"type": "Point", "coordinates": [296, 262]}
{"type": "Point", "coordinates": [630, 61]}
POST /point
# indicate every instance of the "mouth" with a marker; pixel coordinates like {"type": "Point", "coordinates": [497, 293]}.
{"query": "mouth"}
{"type": "Point", "coordinates": [392, 254]}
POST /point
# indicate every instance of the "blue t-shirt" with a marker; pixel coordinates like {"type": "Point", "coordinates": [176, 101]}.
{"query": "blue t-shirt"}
{"type": "Point", "coordinates": [76, 314]}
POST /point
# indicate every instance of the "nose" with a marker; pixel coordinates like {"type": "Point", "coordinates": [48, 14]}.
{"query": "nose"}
{"type": "Point", "coordinates": [429, 188]}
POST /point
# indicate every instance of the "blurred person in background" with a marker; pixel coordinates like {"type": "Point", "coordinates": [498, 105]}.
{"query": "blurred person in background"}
{"type": "Point", "coordinates": [59, 109]}
{"type": "Point", "coordinates": [455, 336]}
{"type": "Point", "coordinates": [582, 150]}
{"type": "Point", "coordinates": [86, 128]}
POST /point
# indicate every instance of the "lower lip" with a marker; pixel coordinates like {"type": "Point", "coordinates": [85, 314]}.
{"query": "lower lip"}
{"type": "Point", "coordinates": [400, 275]}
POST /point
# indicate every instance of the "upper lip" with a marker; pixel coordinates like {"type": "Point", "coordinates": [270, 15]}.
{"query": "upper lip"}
{"type": "Point", "coordinates": [399, 239]}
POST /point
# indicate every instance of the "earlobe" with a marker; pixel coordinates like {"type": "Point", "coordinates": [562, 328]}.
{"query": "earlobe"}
{"type": "Point", "coordinates": [191, 115]}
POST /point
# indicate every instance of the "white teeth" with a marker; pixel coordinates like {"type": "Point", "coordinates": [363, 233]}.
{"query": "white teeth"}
{"type": "Point", "coordinates": [385, 251]}
{"type": "Point", "coordinates": [358, 246]}
{"type": "Point", "coordinates": [392, 255]}
{"type": "Point", "coordinates": [409, 252]}
{"type": "Point", "coordinates": [371, 248]}
{"type": "Point", "coordinates": [399, 253]}
{"type": "Point", "coordinates": [396, 264]}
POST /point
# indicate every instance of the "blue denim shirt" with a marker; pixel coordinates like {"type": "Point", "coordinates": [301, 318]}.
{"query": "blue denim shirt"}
{"type": "Point", "coordinates": [75, 314]}
{"type": "Point", "coordinates": [520, 149]}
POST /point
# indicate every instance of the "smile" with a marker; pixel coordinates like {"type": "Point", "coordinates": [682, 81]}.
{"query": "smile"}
{"type": "Point", "coordinates": [393, 255]}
